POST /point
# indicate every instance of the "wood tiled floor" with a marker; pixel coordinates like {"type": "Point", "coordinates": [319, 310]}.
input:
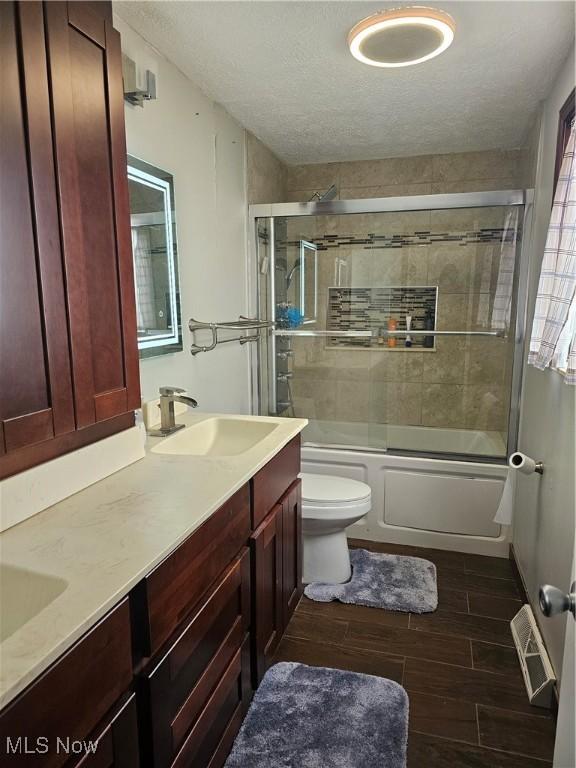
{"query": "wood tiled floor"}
{"type": "Point", "coordinates": [468, 704]}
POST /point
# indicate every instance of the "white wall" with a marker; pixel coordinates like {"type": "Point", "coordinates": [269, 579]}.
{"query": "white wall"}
{"type": "Point", "coordinates": [545, 506]}
{"type": "Point", "coordinates": [204, 148]}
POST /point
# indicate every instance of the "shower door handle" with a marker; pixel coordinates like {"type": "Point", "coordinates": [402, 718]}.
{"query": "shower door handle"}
{"type": "Point", "coordinates": [339, 334]}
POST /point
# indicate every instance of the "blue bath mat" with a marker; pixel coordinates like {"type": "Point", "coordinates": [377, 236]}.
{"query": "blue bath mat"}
{"type": "Point", "coordinates": [392, 582]}
{"type": "Point", "coordinates": [313, 717]}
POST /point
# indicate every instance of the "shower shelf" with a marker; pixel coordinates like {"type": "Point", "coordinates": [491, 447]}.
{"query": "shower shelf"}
{"type": "Point", "coordinates": [242, 324]}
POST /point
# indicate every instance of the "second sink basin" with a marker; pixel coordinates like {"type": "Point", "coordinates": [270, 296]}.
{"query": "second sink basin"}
{"type": "Point", "coordinates": [216, 436]}
{"type": "Point", "coordinates": [23, 594]}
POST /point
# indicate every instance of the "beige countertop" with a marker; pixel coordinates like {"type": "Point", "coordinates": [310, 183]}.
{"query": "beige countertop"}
{"type": "Point", "coordinates": [97, 544]}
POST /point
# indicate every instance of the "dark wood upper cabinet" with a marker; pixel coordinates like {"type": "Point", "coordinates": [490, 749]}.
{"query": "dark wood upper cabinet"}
{"type": "Point", "coordinates": [35, 405]}
{"type": "Point", "coordinates": [68, 347]}
{"type": "Point", "coordinates": [88, 106]}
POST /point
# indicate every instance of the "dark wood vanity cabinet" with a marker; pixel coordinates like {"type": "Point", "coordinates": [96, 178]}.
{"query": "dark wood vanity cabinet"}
{"type": "Point", "coordinates": [165, 679]}
{"type": "Point", "coordinates": [83, 696]}
{"type": "Point", "coordinates": [68, 346]}
{"type": "Point", "coordinates": [198, 692]}
{"type": "Point", "coordinates": [276, 547]}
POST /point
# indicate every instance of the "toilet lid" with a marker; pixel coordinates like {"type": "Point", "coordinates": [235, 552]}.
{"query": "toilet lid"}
{"type": "Point", "coordinates": [329, 489]}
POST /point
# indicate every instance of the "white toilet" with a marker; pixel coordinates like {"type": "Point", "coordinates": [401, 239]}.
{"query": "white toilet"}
{"type": "Point", "coordinates": [329, 505]}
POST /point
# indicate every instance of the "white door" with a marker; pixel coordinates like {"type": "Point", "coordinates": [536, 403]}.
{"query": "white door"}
{"type": "Point", "coordinates": [565, 747]}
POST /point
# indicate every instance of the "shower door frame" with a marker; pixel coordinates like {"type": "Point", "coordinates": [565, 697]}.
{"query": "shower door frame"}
{"type": "Point", "coordinates": [498, 198]}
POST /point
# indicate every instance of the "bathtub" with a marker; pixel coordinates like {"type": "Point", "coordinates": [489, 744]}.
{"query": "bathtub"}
{"type": "Point", "coordinates": [419, 501]}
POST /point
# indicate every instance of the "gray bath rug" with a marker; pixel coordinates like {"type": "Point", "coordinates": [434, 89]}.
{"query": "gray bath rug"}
{"type": "Point", "coordinates": [392, 582]}
{"type": "Point", "coordinates": [313, 717]}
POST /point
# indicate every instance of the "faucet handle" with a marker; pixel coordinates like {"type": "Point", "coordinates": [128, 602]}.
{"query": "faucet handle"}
{"type": "Point", "coordinates": [167, 391]}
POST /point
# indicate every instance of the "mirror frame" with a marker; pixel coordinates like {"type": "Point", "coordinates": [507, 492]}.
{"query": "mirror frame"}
{"type": "Point", "coordinates": [162, 181]}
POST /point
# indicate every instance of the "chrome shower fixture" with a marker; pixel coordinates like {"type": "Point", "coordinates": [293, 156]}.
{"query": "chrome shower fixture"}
{"type": "Point", "coordinates": [330, 194]}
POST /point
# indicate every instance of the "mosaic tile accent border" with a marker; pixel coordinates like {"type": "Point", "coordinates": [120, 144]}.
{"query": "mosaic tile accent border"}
{"type": "Point", "coordinates": [424, 237]}
{"type": "Point", "coordinates": [360, 309]}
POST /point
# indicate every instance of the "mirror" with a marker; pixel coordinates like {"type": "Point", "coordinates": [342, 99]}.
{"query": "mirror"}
{"type": "Point", "coordinates": [154, 251]}
{"type": "Point", "coordinates": [302, 281]}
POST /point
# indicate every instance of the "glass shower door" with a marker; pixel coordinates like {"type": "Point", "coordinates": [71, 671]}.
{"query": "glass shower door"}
{"type": "Point", "coordinates": [394, 330]}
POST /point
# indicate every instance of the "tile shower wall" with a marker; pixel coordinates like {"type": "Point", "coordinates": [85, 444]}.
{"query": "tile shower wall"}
{"type": "Point", "coordinates": [419, 175]}
{"type": "Point", "coordinates": [464, 382]}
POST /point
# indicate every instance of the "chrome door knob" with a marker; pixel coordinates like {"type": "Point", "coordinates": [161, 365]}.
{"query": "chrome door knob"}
{"type": "Point", "coordinates": [553, 601]}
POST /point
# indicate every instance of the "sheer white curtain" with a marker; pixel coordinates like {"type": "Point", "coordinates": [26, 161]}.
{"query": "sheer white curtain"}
{"type": "Point", "coordinates": [553, 342]}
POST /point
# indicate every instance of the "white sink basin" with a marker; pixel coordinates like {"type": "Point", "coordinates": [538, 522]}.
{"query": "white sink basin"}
{"type": "Point", "coordinates": [23, 594]}
{"type": "Point", "coordinates": [216, 436]}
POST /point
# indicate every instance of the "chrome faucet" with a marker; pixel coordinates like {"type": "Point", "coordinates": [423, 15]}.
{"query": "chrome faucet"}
{"type": "Point", "coordinates": [169, 396]}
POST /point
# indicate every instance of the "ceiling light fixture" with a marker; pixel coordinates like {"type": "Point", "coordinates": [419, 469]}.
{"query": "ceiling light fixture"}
{"type": "Point", "coordinates": [401, 37]}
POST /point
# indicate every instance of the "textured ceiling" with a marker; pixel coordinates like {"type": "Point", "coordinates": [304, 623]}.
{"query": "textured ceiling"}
{"type": "Point", "coordinates": [284, 71]}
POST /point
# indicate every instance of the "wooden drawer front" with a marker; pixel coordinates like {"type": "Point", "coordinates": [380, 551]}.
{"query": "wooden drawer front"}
{"type": "Point", "coordinates": [117, 741]}
{"type": "Point", "coordinates": [274, 479]}
{"type": "Point", "coordinates": [73, 696]}
{"type": "Point", "coordinates": [182, 683]}
{"type": "Point", "coordinates": [208, 743]}
{"type": "Point", "coordinates": [176, 585]}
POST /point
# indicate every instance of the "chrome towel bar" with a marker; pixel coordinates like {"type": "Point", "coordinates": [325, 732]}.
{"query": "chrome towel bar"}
{"type": "Point", "coordinates": [242, 324]}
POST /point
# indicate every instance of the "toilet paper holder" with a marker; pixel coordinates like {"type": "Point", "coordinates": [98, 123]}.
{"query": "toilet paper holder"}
{"type": "Point", "coordinates": [525, 464]}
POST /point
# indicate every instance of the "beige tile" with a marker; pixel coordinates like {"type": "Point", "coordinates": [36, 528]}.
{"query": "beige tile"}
{"type": "Point", "coordinates": [400, 266]}
{"type": "Point", "coordinates": [333, 268]}
{"type": "Point", "coordinates": [314, 399]}
{"type": "Point", "coordinates": [390, 190]}
{"type": "Point", "coordinates": [335, 365]}
{"type": "Point", "coordinates": [450, 266]}
{"type": "Point", "coordinates": [486, 267]}
{"type": "Point", "coordinates": [386, 365]}
{"type": "Point", "coordinates": [299, 195]}
{"type": "Point", "coordinates": [387, 172]}
{"type": "Point", "coordinates": [317, 177]}
{"type": "Point", "coordinates": [475, 185]}
{"type": "Point", "coordinates": [266, 175]}
{"type": "Point", "coordinates": [487, 361]}
{"type": "Point", "coordinates": [360, 268]}
{"type": "Point", "coordinates": [492, 164]}
{"type": "Point", "coordinates": [448, 364]}
{"type": "Point", "coordinates": [486, 407]}
{"type": "Point", "coordinates": [395, 402]}
{"type": "Point", "coordinates": [328, 225]}
{"type": "Point", "coordinates": [352, 400]}
{"type": "Point", "coordinates": [463, 220]}
{"type": "Point", "coordinates": [443, 406]}
{"type": "Point", "coordinates": [452, 312]}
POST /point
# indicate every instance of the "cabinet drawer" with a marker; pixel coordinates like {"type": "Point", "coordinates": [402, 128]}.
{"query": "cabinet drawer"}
{"type": "Point", "coordinates": [209, 742]}
{"type": "Point", "coordinates": [175, 586]}
{"type": "Point", "coordinates": [271, 482]}
{"type": "Point", "coordinates": [182, 683]}
{"type": "Point", "coordinates": [117, 741]}
{"type": "Point", "coordinates": [73, 696]}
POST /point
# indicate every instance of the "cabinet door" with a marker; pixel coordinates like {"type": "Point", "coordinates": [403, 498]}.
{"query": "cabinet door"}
{"type": "Point", "coordinates": [35, 381]}
{"type": "Point", "coordinates": [117, 741]}
{"type": "Point", "coordinates": [88, 114]}
{"type": "Point", "coordinates": [72, 697]}
{"type": "Point", "coordinates": [292, 586]}
{"type": "Point", "coordinates": [266, 546]}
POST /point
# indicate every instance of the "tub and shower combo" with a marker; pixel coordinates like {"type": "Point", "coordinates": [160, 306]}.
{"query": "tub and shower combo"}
{"type": "Point", "coordinates": [398, 332]}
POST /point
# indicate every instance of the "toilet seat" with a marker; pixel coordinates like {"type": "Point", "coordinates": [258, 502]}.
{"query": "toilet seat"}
{"type": "Point", "coordinates": [333, 497]}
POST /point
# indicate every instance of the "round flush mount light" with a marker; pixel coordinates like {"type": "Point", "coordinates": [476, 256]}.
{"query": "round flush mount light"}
{"type": "Point", "coordinates": [401, 37]}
